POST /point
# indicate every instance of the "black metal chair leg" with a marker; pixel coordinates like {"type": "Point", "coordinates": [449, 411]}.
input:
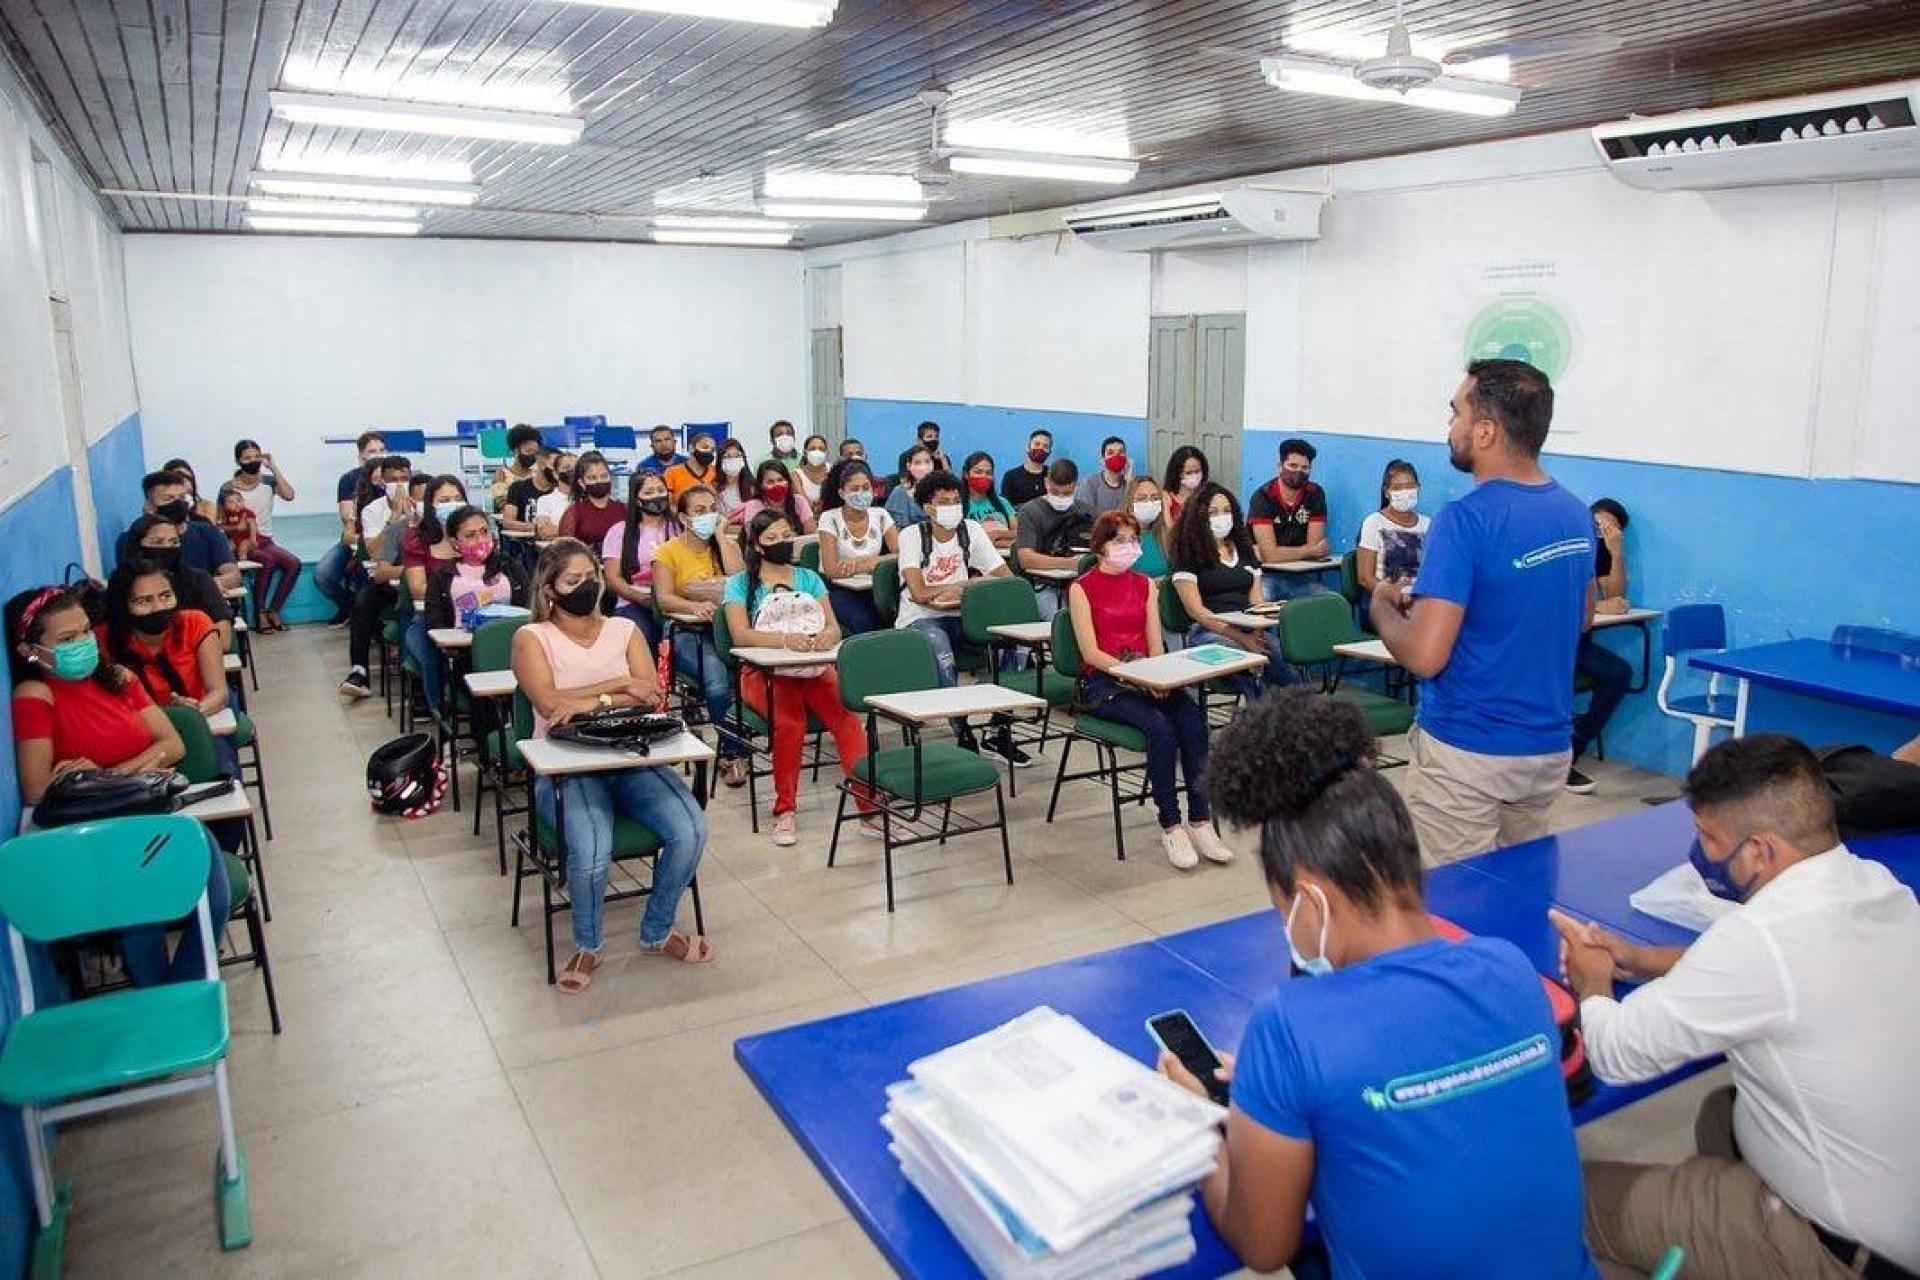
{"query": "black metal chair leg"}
{"type": "Point", "coordinates": [839, 819]}
{"type": "Point", "coordinates": [1006, 849]}
{"type": "Point", "coordinates": [257, 934]}
{"type": "Point", "coordinates": [1060, 775]}
{"type": "Point", "coordinates": [699, 917]}
{"type": "Point", "coordinates": [259, 863]}
{"type": "Point", "coordinates": [1110, 762]}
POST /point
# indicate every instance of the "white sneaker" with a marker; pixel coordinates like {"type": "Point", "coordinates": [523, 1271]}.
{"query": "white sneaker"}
{"type": "Point", "coordinates": [1179, 848]}
{"type": "Point", "coordinates": [785, 831]}
{"type": "Point", "coordinates": [1210, 846]}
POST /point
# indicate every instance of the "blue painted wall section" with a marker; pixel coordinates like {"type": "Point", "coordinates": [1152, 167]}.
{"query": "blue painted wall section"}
{"type": "Point", "coordinates": [115, 464]}
{"type": "Point", "coordinates": [888, 426]}
{"type": "Point", "coordinates": [42, 539]}
{"type": "Point", "coordinates": [1786, 557]}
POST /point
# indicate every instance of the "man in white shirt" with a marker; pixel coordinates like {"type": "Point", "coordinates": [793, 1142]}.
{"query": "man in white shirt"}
{"type": "Point", "coordinates": [1812, 1167]}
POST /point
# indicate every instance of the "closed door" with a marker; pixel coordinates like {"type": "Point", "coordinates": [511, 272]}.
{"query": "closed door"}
{"type": "Point", "coordinates": [829, 391]}
{"type": "Point", "coordinates": [1196, 387]}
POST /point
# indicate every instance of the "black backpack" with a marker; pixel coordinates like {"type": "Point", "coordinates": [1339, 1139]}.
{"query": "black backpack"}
{"type": "Point", "coordinates": [1872, 793]}
{"type": "Point", "coordinates": [1076, 530]}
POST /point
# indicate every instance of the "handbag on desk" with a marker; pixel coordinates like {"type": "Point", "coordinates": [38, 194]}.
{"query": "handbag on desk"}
{"type": "Point", "coordinates": [618, 729]}
{"type": "Point", "coordinates": [91, 795]}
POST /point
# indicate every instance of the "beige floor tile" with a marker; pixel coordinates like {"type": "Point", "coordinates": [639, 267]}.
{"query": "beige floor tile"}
{"type": "Point", "coordinates": [1048, 952]}
{"type": "Point", "coordinates": [667, 1153]}
{"type": "Point", "coordinates": [447, 1181]}
{"type": "Point", "coordinates": [839, 1249]}
{"type": "Point", "coordinates": [1656, 1130]}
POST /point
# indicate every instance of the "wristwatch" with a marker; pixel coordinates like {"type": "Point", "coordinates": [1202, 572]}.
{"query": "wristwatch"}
{"type": "Point", "coordinates": [606, 701]}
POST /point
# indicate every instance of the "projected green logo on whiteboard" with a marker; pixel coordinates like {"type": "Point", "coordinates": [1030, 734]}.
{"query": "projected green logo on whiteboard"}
{"type": "Point", "coordinates": [1523, 328]}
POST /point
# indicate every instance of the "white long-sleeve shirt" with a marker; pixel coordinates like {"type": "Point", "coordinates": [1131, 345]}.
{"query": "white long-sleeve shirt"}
{"type": "Point", "coordinates": [1807, 989]}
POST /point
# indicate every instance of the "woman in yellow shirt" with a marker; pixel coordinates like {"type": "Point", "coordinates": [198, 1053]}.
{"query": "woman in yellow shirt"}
{"type": "Point", "coordinates": [689, 576]}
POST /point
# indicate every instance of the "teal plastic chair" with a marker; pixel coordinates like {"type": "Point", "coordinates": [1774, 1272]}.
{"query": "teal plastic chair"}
{"type": "Point", "coordinates": [127, 1047]}
{"type": "Point", "coordinates": [495, 735]}
{"type": "Point", "coordinates": [1669, 1265]}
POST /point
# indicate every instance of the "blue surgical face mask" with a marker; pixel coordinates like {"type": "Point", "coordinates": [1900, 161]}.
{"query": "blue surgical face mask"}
{"type": "Point", "coordinates": [1720, 881]}
{"type": "Point", "coordinates": [445, 510]}
{"type": "Point", "coordinates": [703, 525]}
{"type": "Point", "coordinates": [77, 658]}
{"type": "Point", "coordinates": [1310, 966]}
{"type": "Point", "coordinates": [858, 499]}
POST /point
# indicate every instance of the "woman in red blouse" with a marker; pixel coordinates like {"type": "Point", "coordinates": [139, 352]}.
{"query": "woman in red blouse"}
{"type": "Point", "coordinates": [594, 513]}
{"type": "Point", "coordinates": [72, 711]}
{"type": "Point", "coordinates": [1116, 618]}
{"type": "Point", "coordinates": [176, 653]}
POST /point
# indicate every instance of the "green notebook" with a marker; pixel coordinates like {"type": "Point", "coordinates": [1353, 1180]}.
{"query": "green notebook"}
{"type": "Point", "coordinates": [1213, 655]}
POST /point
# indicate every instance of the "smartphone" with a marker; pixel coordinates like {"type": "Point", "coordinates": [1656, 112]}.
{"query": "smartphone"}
{"type": "Point", "coordinates": [1174, 1031]}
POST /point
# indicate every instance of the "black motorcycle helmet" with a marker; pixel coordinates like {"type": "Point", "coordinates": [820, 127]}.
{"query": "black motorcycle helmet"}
{"type": "Point", "coordinates": [403, 775]}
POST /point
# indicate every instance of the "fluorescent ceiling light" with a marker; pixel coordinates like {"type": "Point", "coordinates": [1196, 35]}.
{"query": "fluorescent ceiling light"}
{"type": "Point", "coordinates": [1015, 164]}
{"type": "Point", "coordinates": [1335, 80]}
{"type": "Point", "coordinates": [804, 212]}
{"type": "Point", "coordinates": [698, 222]}
{"type": "Point", "coordinates": [332, 208]}
{"type": "Point", "coordinates": [367, 189]}
{"type": "Point", "coordinates": [1000, 135]}
{"type": "Point", "coordinates": [341, 226]}
{"type": "Point", "coordinates": [426, 117]}
{"type": "Point", "coordinates": [779, 13]}
{"type": "Point", "coordinates": [390, 168]}
{"type": "Point", "coordinates": [757, 239]}
{"type": "Point", "coordinates": [860, 188]}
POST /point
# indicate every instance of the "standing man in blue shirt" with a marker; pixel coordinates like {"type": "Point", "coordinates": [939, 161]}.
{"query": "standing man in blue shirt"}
{"type": "Point", "coordinates": [663, 450]}
{"type": "Point", "coordinates": [1492, 624]}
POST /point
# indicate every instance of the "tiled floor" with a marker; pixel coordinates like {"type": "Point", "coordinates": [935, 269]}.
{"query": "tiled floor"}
{"type": "Point", "coordinates": [435, 1109]}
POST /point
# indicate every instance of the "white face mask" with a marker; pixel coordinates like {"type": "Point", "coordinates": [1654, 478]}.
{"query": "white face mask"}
{"type": "Point", "coordinates": [1146, 512]}
{"type": "Point", "coordinates": [1403, 499]}
{"type": "Point", "coordinates": [1060, 502]}
{"type": "Point", "coordinates": [731, 467]}
{"type": "Point", "coordinates": [816, 457]}
{"type": "Point", "coordinates": [1221, 524]}
{"type": "Point", "coordinates": [1317, 966]}
{"type": "Point", "coordinates": [783, 444]}
{"type": "Point", "coordinates": [947, 516]}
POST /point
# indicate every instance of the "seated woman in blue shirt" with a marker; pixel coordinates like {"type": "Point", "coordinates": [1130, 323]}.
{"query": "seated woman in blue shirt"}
{"type": "Point", "coordinates": [1407, 1087]}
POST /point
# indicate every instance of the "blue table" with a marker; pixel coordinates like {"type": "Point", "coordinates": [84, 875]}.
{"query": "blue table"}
{"type": "Point", "coordinates": [1821, 693]}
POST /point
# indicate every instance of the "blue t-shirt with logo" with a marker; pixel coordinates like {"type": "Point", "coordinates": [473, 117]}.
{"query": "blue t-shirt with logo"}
{"type": "Point", "coordinates": [1518, 558]}
{"type": "Point", "coordinates": [1428, 1080]}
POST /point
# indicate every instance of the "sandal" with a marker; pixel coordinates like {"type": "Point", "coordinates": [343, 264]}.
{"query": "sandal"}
{"type": "Point", "coordinates": [679, 946]}
{"type": "Point", "coordinates": [578, 975]}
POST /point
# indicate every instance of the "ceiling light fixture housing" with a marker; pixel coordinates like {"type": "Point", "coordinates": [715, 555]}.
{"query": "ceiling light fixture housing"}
{"type": "Point", "coordinates": [828, 211]}
{"type": "Point", "coordinates": [444, 193]}
{"type": "Point", "coordinates": [717, 222]}
{"type": "Point", "coordinates": [778, 13]}
{"type": "Point", "coordinates": [1338, 80]}
{"type": "Point", "coordinates": [1023, 164]}
{"type": "Point", "coordinates": [435, 119]}
{"type": "Point", "coordinates": [331, 208]}
{"type": "Point", "coordinates": [333, 226]}
{"type": "Point", "coordinates": [858, 188]}
{"type": "Point", "coordinates": [740, 239]}
{"type": "Point", "coordinates": [379, 167]}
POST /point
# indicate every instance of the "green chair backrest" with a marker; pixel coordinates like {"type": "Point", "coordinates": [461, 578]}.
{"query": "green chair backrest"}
{"type": "Point", "coordinates": [200, 764]}
{"type": "Point", "coordinates": [997, 602]}
{"type": "Point", "coordinates": [1174, 618]}
{"type": "Point", "coordinates": [723, 637]}
{"type": "Point", "coordinates": [94, 876]}
{"type": "Point", "coordinates": [493, 444]}
{"type": "Point", "coordinates": [493, 644]}
{"type": "Point", "coordinates": [1350, 577]}
{"type": "Point", "coordinates": [878, 662]}
{"type": "Point", "coordinates": [886, 587]}
{"type": "Point", "coordinates": [1066, 645]}
{"type": "Point", "coordinates": [809, 557]}
{"type": "Point", "coordinates": [1311, 625]}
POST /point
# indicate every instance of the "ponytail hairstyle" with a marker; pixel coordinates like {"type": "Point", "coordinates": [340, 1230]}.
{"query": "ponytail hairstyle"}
{"type": "Point", "coordinates": [1299, 765]}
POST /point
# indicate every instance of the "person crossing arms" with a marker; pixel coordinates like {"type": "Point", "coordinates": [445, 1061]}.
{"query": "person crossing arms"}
{"type": "Point", "coordinates": [1492, 623]}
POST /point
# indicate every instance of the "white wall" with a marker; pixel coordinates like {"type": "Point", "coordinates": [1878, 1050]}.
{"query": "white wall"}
{"type": "Point", "coordinates": [1889, 442]}
{"type": "Point", "coordinates": [31, 441]}
{"type": "Point", "coordinates": [291, 340]}
{"type": "Point", "coordinates": [905, 319]}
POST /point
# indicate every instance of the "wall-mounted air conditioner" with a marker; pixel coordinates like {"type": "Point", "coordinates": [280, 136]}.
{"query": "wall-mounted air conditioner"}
{"type": "Point", "coordinates": [1826, 137]}
{"type": "Point", "coordinates": [1234, 215]}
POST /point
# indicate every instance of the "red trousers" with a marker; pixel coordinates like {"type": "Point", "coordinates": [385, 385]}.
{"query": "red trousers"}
{"type": "Point", "coordinates": [793, 701]}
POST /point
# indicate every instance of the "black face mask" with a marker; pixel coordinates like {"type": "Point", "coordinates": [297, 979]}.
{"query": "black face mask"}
{"type": "Point", "coordinates": [703, 456]}
{"type": "Point", "coordinates": [546, 474]}
{"type": "Point", "coordinates": [580, 601]}
{"type": "Point", "coordinates": [565, 477]}
{"type": "Point", "coordinates": [527, 456]}
{"type": "Point", "coordinates": [653, 506]}
{"type": "Point", "coordinates": [155, 623]}
{"type": "Point", "coordinates": [167, 558]}
{"type": "Point", "coordinates": [778, 553]}
{"type": "Point", "coordinates": [251, 468]}
{"type": "Point", "coordinates": [598, 488]}
{"type": "Point", "coordinates": [175, 512]}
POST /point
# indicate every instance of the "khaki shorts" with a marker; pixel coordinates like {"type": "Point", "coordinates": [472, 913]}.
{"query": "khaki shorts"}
{"type": "Point", "coordinates": [1464, 803]}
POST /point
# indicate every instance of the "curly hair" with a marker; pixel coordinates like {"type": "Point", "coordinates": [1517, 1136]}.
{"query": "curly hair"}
{"type": "Point", "coordinates": [1300, 764]}
{"type": "Point", "coordinates": [1192, 547]}
{"type": "Point", "coordinates": [837, 475]}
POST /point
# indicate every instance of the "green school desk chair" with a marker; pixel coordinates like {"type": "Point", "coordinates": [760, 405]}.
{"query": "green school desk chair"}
{"type": "Point", "coordinates": [1008, 602]}
{"type": "Point", "coordinates": [496, 735]}
{"type": "Point", "coordinates": [749, 726]}
{"type": "Point", "coordinates": [1309, 628]}
{"type": "Point", "coordinates": [129, 1046]}
{"type": "Point", "coordinates": [1174, 624]}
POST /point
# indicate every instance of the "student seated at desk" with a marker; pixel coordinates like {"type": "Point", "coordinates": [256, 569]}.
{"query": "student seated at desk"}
{"type": "Point", "coordinates": [626, 553]}
{"type": "Point", "coordinates": [985, 507]}
{"type": "Point", "coordinates": [1609, 674]}
{"type": "Point", "coordinates": [261, 483]}
{"type": "Point", "coordinates": [176, 653]}
{"type": "Point", "coordinates": [201, 509]}
{"type": "Point", "coordinates": [1809, 1164]}
{"type": "Point", "coordinates": [1149, 507]}
{"type": "Point", "coordinates": [689, 577]}
{"type": "Point", "coordinates": [852, 450]}
{"type": "Point", "coordinates": [773, 491]}
{"type": "Point", "coordinates": [551, 507]}
{"type": "Point", "coordinates": [1213, 558]}
{"type": "Point", "coordinates": [158, 540]}
{"type": "Point", "coordinates": [916, 464]}
{"type": "Point", "coordinates": [1186, 471]}
{"type": "Point", "coordinates": [854, 536]}
{"type": "Point", "coordinates": [202, 545]}
{"type": "Point", "coordinates": [810, 474]}
{"type": "Point", "coordinates": [1406, 1087]}
{"type": "Point", "coordinates": [663, 451]}
{"type": "Point", "coordinates": [1393, 537]}
{"type": "Point", "coordinates": [593, 511]}
{"type": "Point", "coordinates": [1106, 487]}
{"type": "Point", "coordinates": [735, 487]}
{"type": "Point", "coordinates": [1116, 619]}
{"type": "Point", "coordinates": [385, 561]}
{"type": "Point", "coordinates": [424, 548]}
{"type": "Point", "coordinates": [1022, 484]}
{"type": "Point", "coordinates": [699, 467]}
{"type": "Point", "coordinates": [774, 604]}
{"type": "Point", "coordinates": [571, 660]}
{"type": "Point", "coordinates": [73, 711]}
{"type": "Point", "coordinates": [524, 452]}
{"type": "Point", "coordinates": [1052, 529]}
{"type": "Point", "coordinates": [480, 574]}
{"type": "Point", "coordinates": [523, 496]}
{"type": "Point", "coordinates": [1288, 515]}
{"type": "Point", "coordinates": [938, 557]}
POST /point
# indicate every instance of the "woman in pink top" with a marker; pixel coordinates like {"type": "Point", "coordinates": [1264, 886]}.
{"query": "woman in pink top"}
{"type": "Point", "coordinates": [571, 660]}
{"type": "Point", "coordinates": [480, 575]}
{"type": "Point", "coordinates": [773, 487]}
{"type": "Point", "coordinates": [626, 553]}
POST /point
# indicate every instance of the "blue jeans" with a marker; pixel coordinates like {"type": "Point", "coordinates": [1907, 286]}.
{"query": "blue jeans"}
{"type": "Point", "coordinates": [1290, 586]}
{"type": "Point", "coordinates": [145, 949]}
{"type": "Point", "coordinates": [945, 634]}
{"type": "Point", "coordinates": [427, 658]}
{"type": "Point", "coordinates": [659, 801]}
{"type": "Point", "coordinates": [1612, 676]}
{"type": "Point", "coordinates": [642, 617]}
{"type": "Point", "coordinates": [695, 657]}
{"type": "Point", "coordinates": [1277, 674]}
{"type": "Point", "coordinates": [855, 611]}
{"type": "Point", "coordinates": [1173, 727]}
{"type": "Point", "coordinates": [330, 575]}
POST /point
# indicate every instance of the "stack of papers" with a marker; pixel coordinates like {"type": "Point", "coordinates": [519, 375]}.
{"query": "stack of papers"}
{"type": "Point", "coordinates": [1052, 1155]}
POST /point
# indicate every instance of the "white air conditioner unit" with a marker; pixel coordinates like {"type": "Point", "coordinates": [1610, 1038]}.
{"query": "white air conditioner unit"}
{"type": "Point", "coordinates": [1826, 137]}
{"type": "Point", "coordinates": [1237, 215]}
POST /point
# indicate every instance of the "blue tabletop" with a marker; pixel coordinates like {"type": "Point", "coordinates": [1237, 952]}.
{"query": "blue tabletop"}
{"type": "Point", "coordinates": [1859, 677]}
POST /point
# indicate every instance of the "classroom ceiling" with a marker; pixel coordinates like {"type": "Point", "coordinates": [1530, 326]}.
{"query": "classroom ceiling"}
{"type": "Point", "coordinates": [689, 114]}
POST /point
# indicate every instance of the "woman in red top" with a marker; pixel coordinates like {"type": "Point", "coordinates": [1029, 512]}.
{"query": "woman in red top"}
{"type": "Point", "coordinates": [71, 711]}
{"type": "Point", "coordinates": [594, 513]}
{"type": "Point", "coordinates": [237, 522]}
{"type": "Point", "coordinates": [1116, 618]}
{"type": "Point", "coordinates": [175, 652]}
